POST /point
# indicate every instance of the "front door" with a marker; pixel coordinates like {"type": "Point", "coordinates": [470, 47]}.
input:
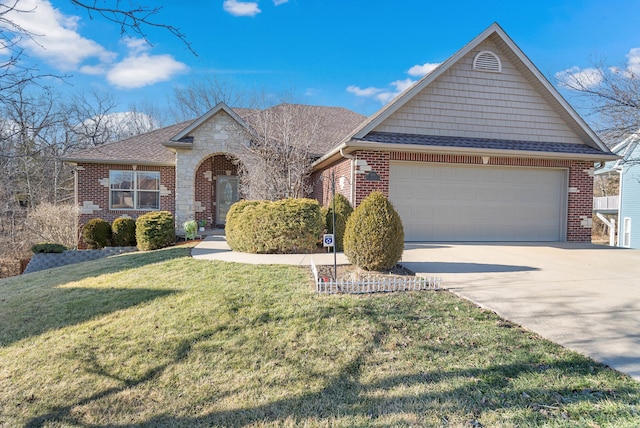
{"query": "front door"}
{"type": "Point", "coordinates": [226, 195]}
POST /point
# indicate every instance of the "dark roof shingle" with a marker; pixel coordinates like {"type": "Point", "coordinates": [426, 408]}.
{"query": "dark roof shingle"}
{"type": "Point", "coordinates": [142, 149]}
{"type": "Point", "coordinates": [335, 123]}
{"type": "Point", "coordinates": [480, 143]}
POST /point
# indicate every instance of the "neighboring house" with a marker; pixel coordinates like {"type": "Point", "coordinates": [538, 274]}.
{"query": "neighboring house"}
{"type": "Point", "coordinates": [626, 205]}
{"type": "Point", "coordinates": [482, 149]}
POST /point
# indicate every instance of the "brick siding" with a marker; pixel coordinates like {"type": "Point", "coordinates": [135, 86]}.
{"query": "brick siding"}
{"type": "Point", "coordinates": [205, 186]}
{"type": "Point", "coordinates": [580, 193]}
{"type": "Point", "coordinates": [93, 191]}
{"type": "Point", "coordinates": [321, 182]}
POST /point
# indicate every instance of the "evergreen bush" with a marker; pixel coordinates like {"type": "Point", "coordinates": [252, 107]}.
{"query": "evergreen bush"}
{"type": "Point", "coordinates": [123, 232]}
{"type": "Point", "coordinates": [97, 233]}
{"type": "Point", "coordinates": [48, 248]}
{"type": "Point", "coordinates": [284, 226]}
{"type": "Point", "coordinates": [343, 211]}
{"type": "Point", "coordinates": [374, 236]}
{"type": "Point", "coordinates": [155, 230]}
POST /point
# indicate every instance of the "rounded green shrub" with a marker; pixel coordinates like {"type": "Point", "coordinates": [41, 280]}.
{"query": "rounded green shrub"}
{"type": "Point", "coordinates": [374, 236]}
{"type": "Point", "coordinates": [343, 211]}
{"type": "Point", "coordinates": [97, 233]}
{"type": "Point", "coordinates": [155, 230]}
{"type": "Point", "coordinates": [48, 247]}
{"type": "Point", "coordinates": [284, 226]}
{"type": "Point", "coordinates": [236, 233]}
{"type": "Point", "coordinates": [123, 232]}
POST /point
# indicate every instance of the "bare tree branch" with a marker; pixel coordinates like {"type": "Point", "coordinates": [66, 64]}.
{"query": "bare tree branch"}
{"type": "Point", "coordinates": [612, 95]}
{"type": "Point", "coordinates": [278, 162]}
{"type": "Point", "coordinates": [133, 20]}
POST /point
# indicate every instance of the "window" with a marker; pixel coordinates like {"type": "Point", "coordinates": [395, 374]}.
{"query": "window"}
{"type": "Point", "coordinates": [134, 190]}
{"type": "Point", "coordinates": [626, 236]}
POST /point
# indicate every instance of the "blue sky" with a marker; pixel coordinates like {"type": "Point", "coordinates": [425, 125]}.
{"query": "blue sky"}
{"type": "Point", "coordinates": [352, 53]}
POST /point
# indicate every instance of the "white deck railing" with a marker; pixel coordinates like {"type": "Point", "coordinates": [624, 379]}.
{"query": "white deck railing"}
{"type": "Point", "coordinates": [606, 203]}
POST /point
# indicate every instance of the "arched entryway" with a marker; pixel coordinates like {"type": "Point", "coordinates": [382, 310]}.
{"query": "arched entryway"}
{"type": "Point", "coordinates": [216, 189]}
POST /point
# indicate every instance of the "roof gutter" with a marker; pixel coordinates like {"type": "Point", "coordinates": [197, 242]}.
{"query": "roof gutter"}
{"type": "Point", "coordinates": [76, 161]}
{"type": "Point", "coordinates": [394, 147]}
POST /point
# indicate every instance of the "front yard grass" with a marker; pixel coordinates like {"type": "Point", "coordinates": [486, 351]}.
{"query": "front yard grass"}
{"type": "Point", "coordinates": [161, 339]}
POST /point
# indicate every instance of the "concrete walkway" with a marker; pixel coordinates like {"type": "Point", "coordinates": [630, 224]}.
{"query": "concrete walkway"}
{"type": "Point", "coordinates": [214, 247]}
{"type": "Point", "coordinates": [584, 297]}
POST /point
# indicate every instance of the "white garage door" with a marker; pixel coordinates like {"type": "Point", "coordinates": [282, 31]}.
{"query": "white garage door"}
{"type": "Point", "coordinates": [440, 202]}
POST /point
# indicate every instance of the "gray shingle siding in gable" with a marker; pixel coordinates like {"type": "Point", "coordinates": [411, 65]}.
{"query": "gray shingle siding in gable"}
{"type": "Point", "coordinates": [470, 103]}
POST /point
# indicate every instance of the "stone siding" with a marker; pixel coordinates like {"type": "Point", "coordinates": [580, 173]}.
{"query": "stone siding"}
{"type": "Point", "coordinates": [218, 136]}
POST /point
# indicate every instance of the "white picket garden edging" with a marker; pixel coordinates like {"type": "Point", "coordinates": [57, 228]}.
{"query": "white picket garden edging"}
{"type": "Point", "coordinates": [374, 285]}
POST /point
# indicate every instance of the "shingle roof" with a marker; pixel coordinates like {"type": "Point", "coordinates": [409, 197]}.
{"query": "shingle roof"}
{"type": "Point", "coordinates": [142, 149]}
{"type": "Point", "coordinates": [480, 143]}
{"type": "Point", "coordinates": [335, 123]}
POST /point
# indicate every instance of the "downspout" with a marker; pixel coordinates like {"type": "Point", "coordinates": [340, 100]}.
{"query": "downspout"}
{"type": "Point", "coordinates": [620, 219]}
{"type": "Point", "coordinates": [352, 179]}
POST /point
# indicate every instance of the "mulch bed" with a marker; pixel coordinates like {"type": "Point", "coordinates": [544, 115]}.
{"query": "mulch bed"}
{"type": "Point", "coordinates": [354, 273]}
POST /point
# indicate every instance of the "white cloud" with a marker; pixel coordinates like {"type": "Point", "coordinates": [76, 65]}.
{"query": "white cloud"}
{"type": "Point", "coordinates": [55, 38]}
{"type": "Point", "coordinates": [575, 77]}
{"type": "Point", "coordinates": [402, 85]}
{"type": "Point", "coordinates": [384, 95]}
{"type": "Point", "coordinates": [423, 70]}
{"type": "Point", "coordinates": [238, 8]}
{"type": "Point", "coordinates": [279, 2]}
{"type": "Point", "coordinates": [366, 92]}
{"type": "Point", "coordinates": [633, 62]}
{"type": "Point", "coordinates": [142, 69]}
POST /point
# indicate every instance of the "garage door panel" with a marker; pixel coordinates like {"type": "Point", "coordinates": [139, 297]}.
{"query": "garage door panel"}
{"type": "Point", "coordinates": [470, 203]}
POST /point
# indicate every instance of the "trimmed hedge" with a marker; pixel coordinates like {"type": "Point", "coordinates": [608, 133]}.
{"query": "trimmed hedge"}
{"type": "Point", "coordinates": [97, 233]}
{"type": "Point", "coordinates": [268, 227]}
{"type": "Point", "coordinates": [343, 211]}
{"type": "Point", "coordinates": [155, 230]}
{"type": "Point", "coordinates": [374, 236]}
{"type": "Point", "coordinates": [124, 232]}
{"type": "Point", "coordinates": [48, 248]}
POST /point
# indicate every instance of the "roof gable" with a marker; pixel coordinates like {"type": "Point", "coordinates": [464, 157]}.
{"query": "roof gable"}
{"type": "Point", "coordinates": [205, 117]}
{"type": "Point", "coordinates": [628, 150]}
{"type": "Point", "coordinates": [519, 85]}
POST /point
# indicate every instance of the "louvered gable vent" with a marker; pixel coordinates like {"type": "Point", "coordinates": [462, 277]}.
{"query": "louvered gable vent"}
{"type": "Point", "coordinates": [487, 61]}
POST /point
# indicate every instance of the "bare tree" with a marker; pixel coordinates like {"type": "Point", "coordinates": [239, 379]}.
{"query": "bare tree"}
{"type": "Point", "coordinates": [200, 96]}
{"type": "Point", "coordinates": [92, 119]}
{"type": "Point", "coordinates": [611, 94]}
{"type": "Point", "coordinates": [277, 163]}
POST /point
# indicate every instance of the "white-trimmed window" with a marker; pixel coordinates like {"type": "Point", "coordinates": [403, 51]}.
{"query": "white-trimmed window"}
{"type": "Point", "coordinates": [626, 235]}
{"type": "Point", "coordinates": [134, 190]}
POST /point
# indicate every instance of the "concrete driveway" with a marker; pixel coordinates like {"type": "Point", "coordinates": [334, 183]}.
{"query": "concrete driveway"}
{"type": "Point", "coordinates": [582, 296]}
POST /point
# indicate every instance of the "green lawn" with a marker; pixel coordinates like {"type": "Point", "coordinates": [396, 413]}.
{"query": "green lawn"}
{"type": "Point", "coordinates": [161, 339]}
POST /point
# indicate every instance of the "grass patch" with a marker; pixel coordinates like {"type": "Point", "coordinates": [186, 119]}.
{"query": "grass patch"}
{"type": "Point", "coordinates": [161, 339]}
